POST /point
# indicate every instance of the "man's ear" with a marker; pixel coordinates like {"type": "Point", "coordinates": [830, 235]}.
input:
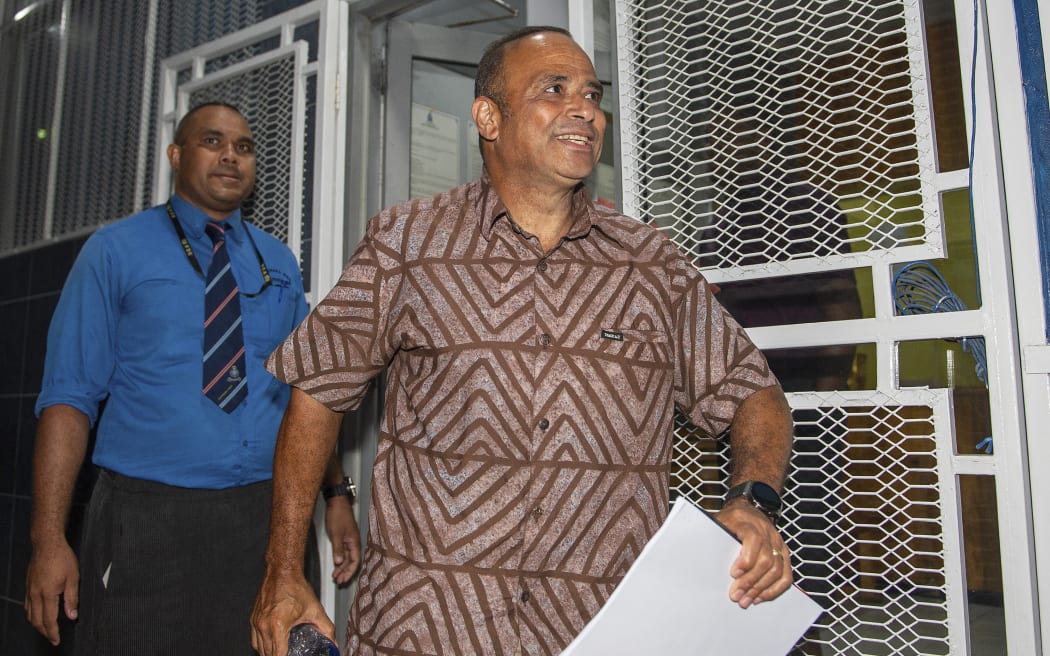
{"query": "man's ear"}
{"type": "Point", "coordinates": [487, 117]}
{"type": "Point", "coordinates": [174, 152]}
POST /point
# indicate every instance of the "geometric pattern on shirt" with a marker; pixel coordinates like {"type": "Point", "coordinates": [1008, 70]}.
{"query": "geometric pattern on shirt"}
{"type": "Point", "coordinates": [523, 459]}
{"type": "Point", "coordinates": [225, 379]}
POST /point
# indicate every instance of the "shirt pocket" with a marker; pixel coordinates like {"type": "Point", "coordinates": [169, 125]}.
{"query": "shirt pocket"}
{"type": "Point", "coordinates": [268, 319]}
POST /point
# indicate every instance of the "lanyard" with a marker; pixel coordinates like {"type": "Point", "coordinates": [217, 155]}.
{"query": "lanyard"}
{"type": "Point", "coordinates": [193, 259]}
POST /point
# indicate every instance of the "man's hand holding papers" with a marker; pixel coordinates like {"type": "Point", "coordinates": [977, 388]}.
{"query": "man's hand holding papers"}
{"type": "Point", "coordinates": [762, 571]}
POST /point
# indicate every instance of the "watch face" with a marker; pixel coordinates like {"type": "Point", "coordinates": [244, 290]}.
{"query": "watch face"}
{"type": "Point", "coordinates": [765, 496]}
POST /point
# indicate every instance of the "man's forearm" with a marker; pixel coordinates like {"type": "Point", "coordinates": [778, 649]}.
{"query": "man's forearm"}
{"type": "Point", "coordinates": [305, 445]}
{"type": "Point", "coordinates": [333, 471]}
{"type": "Point", "coordinates": [61, 445]}
{"type": "Point", "coordinates": [761, 438]}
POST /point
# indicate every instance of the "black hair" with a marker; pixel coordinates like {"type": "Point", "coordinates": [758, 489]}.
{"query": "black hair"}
{"type": "Point", "coordinates": [489, 80]}
{"type": "Point", "coordinates": [180, 129]}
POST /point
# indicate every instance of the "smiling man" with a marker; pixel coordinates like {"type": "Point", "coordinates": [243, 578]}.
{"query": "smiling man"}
{"type": "Point", "coordinates": [167, 316]}
{"type": "Point", "coordinates": [537, 347]}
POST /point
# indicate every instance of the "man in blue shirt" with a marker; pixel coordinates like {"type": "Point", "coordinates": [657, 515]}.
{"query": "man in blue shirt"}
{"type": "Point", "coordinates": [173, 545]}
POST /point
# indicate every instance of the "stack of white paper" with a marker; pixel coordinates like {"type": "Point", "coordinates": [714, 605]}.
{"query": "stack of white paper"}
{"type": "Point", "coordinates": [675, 600]}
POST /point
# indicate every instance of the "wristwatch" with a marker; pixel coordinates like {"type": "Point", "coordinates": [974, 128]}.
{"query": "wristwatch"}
{"type": "Point", "coordinates": [760, 495]}
{"type": "Point", "coordinates": [344, 488]}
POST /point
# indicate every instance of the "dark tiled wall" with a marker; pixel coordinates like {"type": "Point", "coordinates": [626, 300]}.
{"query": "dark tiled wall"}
{"type": "Point", "coordinates": [30, 283]}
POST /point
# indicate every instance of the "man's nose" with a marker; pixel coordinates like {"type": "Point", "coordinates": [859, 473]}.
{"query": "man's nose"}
{"type": "Point", "coordinates": [229, 153]}
{"type": "Point", "coordinates": [581, 108]}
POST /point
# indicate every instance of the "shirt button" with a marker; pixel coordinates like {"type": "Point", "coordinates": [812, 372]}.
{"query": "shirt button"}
{"type": "Point", "coordinates": [537, 513]}
{"type": "Point", "coordinates": [545, 339]}
{"type": "Point", "coordinates": [542, 266]}
{"type": "Point", "coordinates": [244, 443]}
{"type": "Point", "coordinates": [544, 424]}
{"type": "Point", "coordinates": [525, 596]}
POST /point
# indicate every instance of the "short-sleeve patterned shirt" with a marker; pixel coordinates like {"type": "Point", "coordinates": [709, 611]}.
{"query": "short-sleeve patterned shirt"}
{"type": "Point", "coordinates": [524, 450]}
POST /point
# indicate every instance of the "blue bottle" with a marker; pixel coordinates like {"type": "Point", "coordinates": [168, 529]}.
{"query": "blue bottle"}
{"type": "Point", "coordinates": [306, 640]}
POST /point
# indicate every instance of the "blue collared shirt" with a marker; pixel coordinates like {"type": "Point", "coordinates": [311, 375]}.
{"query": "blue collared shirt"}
{"type": "Point", "coordinates": [129, 329]}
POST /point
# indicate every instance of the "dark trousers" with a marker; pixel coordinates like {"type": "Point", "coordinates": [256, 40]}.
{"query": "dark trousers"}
{"type": "Point", "coordinates": [167, 570]}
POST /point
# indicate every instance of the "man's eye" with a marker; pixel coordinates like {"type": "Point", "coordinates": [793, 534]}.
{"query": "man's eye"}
{"type": "Point", "coordinates": [211, 141]}
{"type": "Point", "coordinates": [246, 149]}
{"type": "Point", "coordinates": [554, 88]}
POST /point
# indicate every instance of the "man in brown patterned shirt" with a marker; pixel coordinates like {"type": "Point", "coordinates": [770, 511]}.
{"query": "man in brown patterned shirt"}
{"type": "Point", "coordinates": [536, 347]}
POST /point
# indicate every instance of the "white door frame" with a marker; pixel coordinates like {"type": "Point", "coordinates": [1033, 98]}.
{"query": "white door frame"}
{"type": "Point", "coordinates": [1033, 365]}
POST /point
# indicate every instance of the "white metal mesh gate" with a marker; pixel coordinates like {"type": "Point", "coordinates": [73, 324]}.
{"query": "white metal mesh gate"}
{"type": "Point", "coordinates": [264, 89]}
{"type": "Point", "coordinates": [778, 136]}
{"type": "Point", "coordinates": [864, 517]}
{"type": "Point", "coordinates": [270, 72]}
{"type": "Point", "coordinates": [774, 138]}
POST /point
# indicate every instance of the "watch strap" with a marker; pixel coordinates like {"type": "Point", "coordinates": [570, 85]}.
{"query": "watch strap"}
{"type": "Point", "coordinates": [344, 488]}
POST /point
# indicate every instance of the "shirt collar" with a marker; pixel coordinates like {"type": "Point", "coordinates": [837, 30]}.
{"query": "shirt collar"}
{"type": "Point", "coordinates": [584, 215]}
{"type": "Point", "coordinates": [193, 219]}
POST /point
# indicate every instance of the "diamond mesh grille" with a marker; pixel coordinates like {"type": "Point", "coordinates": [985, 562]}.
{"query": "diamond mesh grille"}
{"type": "Point", "coordinates": [264, 96]}
{"type": "Point", "coordinates": [862, 519]}
{"type": "Point", "coordinates": [216, 64]}
{"type": "Point", "coordinates": [775, 131]}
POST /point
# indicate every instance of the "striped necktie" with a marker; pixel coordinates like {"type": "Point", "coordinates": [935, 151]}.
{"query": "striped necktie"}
{"type": "Point", "coordinates": [225, 378]}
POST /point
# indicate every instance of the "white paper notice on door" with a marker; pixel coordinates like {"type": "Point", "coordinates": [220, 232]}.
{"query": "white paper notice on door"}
{"type": "Point", "coordinates": [435, 152]}
{"type": "Point", "coordinates": [675, 600]}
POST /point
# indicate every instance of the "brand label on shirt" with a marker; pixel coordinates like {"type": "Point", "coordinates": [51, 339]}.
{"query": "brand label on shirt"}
{"type": "Point", "coordinates": [611, 334]}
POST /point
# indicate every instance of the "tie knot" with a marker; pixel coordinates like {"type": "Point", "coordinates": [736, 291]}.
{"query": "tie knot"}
{"type": "Point", "coordinates": [216, 231]}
